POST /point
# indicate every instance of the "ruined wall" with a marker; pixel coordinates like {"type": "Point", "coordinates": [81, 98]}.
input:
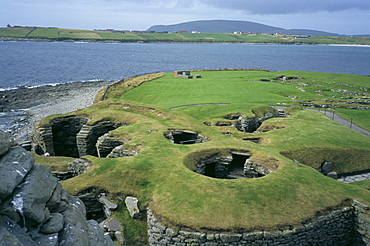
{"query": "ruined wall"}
{"type": "Point", "coordinates": [362, 224]}
{"type": "Point", "coordinates": [71, 136]}
{"type": "Point", "coordinates": [88, 136]}
{"type": "Point", "coordinates": [348, 226]}
{"type": "Point", "coordinates": [64, 135]}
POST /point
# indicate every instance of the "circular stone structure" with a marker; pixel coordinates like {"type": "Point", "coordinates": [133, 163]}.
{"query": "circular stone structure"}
{"type": "Point", "coordinates": [225, 164]}
{"type": "Point", "coordinates": [184, 136]}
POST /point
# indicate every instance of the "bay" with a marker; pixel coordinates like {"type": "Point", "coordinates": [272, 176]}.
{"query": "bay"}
{"type": "Point", "coordinates": [41, 63]}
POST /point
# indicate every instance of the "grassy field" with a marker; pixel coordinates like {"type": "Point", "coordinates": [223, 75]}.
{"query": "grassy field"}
{"type": "Point", "coordinates": [160, 176]}
{"type": "Point", "coordinates": [61, 34]}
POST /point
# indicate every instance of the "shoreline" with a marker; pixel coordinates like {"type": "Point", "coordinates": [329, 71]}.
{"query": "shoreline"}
{"type": "Point", "coordinates": [120, 41]}
{"type": "Point", "coordinates": [39, 102]}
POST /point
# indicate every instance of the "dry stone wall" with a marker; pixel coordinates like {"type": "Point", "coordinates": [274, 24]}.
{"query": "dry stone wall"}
{"type": "Point", "coordinates": [362, 224]}
{"type": "Point", "coordinates": [347, 226]}
{"type": "Point", "coordinates": [71, 136]}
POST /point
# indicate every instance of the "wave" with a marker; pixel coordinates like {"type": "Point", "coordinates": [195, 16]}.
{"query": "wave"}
{"type": "Point", "coordinates": [53, 84]}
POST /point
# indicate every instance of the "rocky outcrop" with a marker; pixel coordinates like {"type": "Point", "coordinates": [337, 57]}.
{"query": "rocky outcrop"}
{"type": "Point", "coordinates": [35, 210]}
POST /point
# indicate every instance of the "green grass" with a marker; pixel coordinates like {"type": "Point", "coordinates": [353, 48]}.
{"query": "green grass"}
{"type": "Point", "coordinates": [359, 117]}
{"type": "Point", "coordinates": [63, 34]}
{"type": "Point", "coordinates": [161, 174]}
{"type": "Point", "coordinates": [15, 32]}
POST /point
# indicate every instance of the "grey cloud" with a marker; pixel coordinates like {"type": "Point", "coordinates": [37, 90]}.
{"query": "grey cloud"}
{"type": "Point", "coordinates": [259, 6]}
{"type": "Point", "coordinates": [288, 6]}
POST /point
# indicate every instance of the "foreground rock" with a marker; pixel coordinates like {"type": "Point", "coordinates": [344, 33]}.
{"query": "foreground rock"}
{"type": "Point", "coordinates": [35, 210]}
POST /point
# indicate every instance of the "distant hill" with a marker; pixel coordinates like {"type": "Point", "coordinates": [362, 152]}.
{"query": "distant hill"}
{"type": "Point", "coordinates": [229, 26]}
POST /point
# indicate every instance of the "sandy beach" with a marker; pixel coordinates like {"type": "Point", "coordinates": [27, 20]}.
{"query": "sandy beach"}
{"type": "Point", "coordinates": [42, 101]}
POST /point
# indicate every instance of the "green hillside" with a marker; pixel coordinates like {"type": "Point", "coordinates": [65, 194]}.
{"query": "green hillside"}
{"type": "Point", "coordinates": [162, 174]}
{"type": "Point", "coordinates": [60, 34]}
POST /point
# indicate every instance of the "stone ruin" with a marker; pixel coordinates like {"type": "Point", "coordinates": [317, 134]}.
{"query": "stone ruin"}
{"type": "Point", "coordinates": [255, 140]}
{"type": "Point", "coordinates": [74, 168]}
{"type": "Point", "coordinates": [236, 165]}
{"type": "Point", "coordinates": [72, 136]}
{"type": "Point", "coordinates": [35, 210]}
{"type": "Point", "coordinates": [184, 137]}
{"type": "Point", "coordinates": [249, 125]}
{"type": "Point", "coordinates": [326, 169]}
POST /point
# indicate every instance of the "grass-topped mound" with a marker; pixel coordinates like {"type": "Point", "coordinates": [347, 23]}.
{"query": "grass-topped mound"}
{"type": "Point", "coordinates": [164, 176]}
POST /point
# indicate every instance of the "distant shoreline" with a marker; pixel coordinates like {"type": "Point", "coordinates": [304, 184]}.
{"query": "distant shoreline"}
{"type": "Point", "coordinates": [118, 41]}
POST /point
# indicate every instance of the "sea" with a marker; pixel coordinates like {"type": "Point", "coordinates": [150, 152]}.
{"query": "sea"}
{"type": "Point", "coordinates": [29, 64]}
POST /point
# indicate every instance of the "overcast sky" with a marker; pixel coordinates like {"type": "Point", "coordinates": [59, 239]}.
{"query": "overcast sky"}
{"type": "Point", "coordinates": [338, 16]}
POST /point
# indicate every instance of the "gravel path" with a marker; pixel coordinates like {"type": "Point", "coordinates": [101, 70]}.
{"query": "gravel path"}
{"type": "Point", "coordinates": [337, 119]}
{"type": "Point", "coordinates": [343, 121]}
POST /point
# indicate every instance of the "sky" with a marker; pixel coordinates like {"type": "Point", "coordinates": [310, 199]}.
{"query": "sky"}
{"type": "Point", "coordinates": [348, 17]}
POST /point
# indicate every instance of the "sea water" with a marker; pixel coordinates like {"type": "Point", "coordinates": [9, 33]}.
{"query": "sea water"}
{"type": "Point", "coordinates": [40, 63]}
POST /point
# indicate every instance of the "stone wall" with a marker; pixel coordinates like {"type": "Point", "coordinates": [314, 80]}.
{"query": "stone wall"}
{"type": "Point", "coordinates": [88, 136]}
{"type": "Point", "coordinates": [71, 136]}
{"type": "Point", "coordinates": [362, 224]}
{"type": "Point", "coordinates": [64, 135]}
{"type": "Point", "coordinates": [348, 226]}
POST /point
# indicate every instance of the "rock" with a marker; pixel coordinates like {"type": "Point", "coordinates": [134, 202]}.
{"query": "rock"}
{"type": "Point", "coordinates": [29, 192]}
{"type": "Point", "coordinates": [96, 236]}
{"type": "Point", "coordinates": [114, 225]}
{"type": "Point", "coordinates": [332, 175]}
{"type": "Point", "coordinates": [120, 237]}
{"type": "Point", "coordinates": [75, 225]}
{"type": "Point", "coordinates": [14, 166]}
{"type": "Point", "coordinates": [54, 224]}
{"type": "Point", "coordinates": [131, 204]}
{"type": "Point", "coordinates": [32, 195]}
{"type": "Point", "coordinates": [326, 168]}
{"type": "Point", "coordinates": [47, 240]}
{"type": "Point", "coordinates": [12, 234]}
{"type": "Point", "coordinates": [27, 145]}
{"type": "Point", "coordinates": [110, 205]}
{"type": "Point", "coordinates": [106, 144]}
{"type": "Point", "coordinates": [6, 141]}
{"type": "Point", "coordinates": [227, 238]}
{"type": "Point", "coordinates": [55, 200]}
{"type": "Point", "coordinates": [78, 166]}
{"type": "Point", "coordinates": [119, 151]}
